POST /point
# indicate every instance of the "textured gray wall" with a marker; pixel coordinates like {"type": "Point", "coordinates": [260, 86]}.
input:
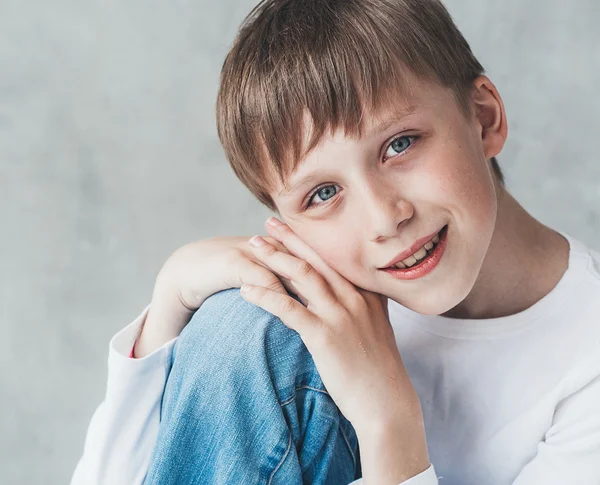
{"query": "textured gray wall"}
{"type": "Point", "coordinates": [109, 161]}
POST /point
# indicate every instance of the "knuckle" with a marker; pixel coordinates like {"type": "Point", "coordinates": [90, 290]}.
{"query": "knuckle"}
{"type": "Point", "coordinates": [287, 305]}
{"type": "Point", "coordinates": [272, 283]}
{"type": "Point", "coordinates": [304, 269]}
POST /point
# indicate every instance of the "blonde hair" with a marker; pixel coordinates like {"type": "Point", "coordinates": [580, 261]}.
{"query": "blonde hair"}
{"type": "Point", "coordinates": [331, 59]}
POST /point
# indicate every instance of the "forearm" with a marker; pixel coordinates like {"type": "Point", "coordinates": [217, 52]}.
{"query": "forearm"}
{"type": "Point", "coordinates": [158, 329]}
{"type": "Point", "coordinates": [165, 320]}
{"type": "Point", "coordinates": [393, 452]}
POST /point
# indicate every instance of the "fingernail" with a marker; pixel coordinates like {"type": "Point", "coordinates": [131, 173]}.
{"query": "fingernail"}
{"type": "Point", "coordinates": [256, 241]}
{"type": "Point", "coordinates": [272, 221]}
{"type": "Point", "coordinates": [245, 288]}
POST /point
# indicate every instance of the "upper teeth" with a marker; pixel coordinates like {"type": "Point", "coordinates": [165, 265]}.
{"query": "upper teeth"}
{"type": "Point", "coordinates": [419, 254]}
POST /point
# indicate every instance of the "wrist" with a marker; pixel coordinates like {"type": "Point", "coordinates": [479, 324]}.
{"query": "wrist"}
{"type": "Point", "coordinates": [401, 409]}
{"type": "Point", "coordinates": [394, 453]}
{"type": "Point", "coordinates": [393, 448]}
{"type": "Point", "coordinates": [163, 323]}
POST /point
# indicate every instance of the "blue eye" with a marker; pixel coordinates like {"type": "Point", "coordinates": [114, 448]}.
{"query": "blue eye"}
{"type": "Point", "coordinates": [399, 145]}
{"type": "Point", "coordinates": [324, 193]}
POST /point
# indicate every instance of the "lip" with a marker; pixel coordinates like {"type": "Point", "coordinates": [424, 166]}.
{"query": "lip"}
{"type": "Point", "coordinates": [410, 251]}
{"type": "Point", "coordinates": [423, 267]}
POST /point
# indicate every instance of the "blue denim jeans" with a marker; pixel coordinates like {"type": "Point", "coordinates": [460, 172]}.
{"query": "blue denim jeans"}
{"type": "Point", "coordinates": [244, 404]}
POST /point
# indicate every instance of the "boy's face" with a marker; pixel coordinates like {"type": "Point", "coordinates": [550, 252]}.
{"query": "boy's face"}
{"type": "Point", "coordinates": [375, 197]}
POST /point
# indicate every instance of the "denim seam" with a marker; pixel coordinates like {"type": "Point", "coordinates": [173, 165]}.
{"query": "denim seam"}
{"type": "Point", "coordinates": [287, 401]}
{"type": "Point", "coordinates": [349, 447]}
{"type": "Point", "coordinates": [282, 459]}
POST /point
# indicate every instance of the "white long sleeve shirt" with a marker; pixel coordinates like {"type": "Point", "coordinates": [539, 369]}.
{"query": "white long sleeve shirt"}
{"type": "Point", "coordinates": [510, 400]}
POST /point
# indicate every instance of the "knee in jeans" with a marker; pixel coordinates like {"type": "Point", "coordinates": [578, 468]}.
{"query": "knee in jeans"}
{"type": "Point", "coordinates": [226, 324]}
{"type": "Point", "coordinates": [233, 337]}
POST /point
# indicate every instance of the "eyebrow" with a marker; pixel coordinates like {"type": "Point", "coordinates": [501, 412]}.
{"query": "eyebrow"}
{"type": "Point", "coordinates": [397, 116]}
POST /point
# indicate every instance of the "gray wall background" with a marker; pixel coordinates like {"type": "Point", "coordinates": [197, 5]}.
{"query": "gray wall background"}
{"type": "Point", "coordinates": [109, 161]}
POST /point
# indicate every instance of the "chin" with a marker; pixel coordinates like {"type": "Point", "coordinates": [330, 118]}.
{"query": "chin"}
{"type": "Point", "coordinates": [436, 302]}
{"type": "Point", "coordinates": [430, 309]}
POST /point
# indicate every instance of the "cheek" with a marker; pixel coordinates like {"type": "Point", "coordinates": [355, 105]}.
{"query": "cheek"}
{"type": "Point", "coordinates": [465, 187]}
{"type": "Point", "coordinates": [340, 250]}
{"type": "Point", "coordinates": [466, 183]}
{"type": "Point", "coordinates": [462, 172]}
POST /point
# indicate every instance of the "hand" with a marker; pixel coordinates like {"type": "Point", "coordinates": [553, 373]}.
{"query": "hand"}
{"type": "Point", "coordinates": [192, 274]}
{"type": "Point", "coordinates": [346, 329]}
{"type": "Point", "coordinates": [348, 333]}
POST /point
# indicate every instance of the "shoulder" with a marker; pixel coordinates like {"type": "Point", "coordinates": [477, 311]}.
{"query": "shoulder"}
{"type": "Point", "coordinates": [576, 316]}
{"type": "Point", "coordinates": [582, 318]}
{"type": "Point", "coordinates": [582, 280]}
{"type": "Point", "coordinates": [581, 254]}
{"type": "Point", "coordinates": [593, 267]}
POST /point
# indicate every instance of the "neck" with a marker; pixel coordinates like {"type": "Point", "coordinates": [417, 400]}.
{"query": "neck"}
{"type": "Point", "coordinates": [524, 262]}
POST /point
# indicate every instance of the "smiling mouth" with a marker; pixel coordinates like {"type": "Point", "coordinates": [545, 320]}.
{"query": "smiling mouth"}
{"type": "Point", "coordinates": [424, 266]}
{"type": "Point", "coordinates": [421, 254]}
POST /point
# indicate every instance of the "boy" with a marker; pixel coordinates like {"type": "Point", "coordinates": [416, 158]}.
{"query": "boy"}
{"type": "Point", "coordinates": [368, 125]}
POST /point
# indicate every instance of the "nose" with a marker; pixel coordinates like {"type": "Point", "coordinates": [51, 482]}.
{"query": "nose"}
{"type": "Point", "coordinates": [385, 212]}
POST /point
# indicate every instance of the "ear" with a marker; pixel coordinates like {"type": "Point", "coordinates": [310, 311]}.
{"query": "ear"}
{"type": "Point", "coordinates": [490, 116]}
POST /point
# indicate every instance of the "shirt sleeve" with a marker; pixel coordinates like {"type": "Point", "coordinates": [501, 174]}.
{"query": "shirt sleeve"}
{"type": "Point", "coordinates": [122, 433]}
{"type": "Point", "coordinates": [570, 451]}
{"type": "Point", "coordinates": [427, 477]}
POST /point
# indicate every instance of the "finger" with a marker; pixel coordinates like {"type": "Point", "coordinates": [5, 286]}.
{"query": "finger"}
{"type": "Point", "coordinates": [304, 277]}
{"type": "Point", "coordinates": [258, 274]}
{"type": "Point", "coordinates": [278, 244]}
{"type": "Point", "coordinates": [286, 283]}
{"type": "Point", "coordinates": [253, 273]}
{"type": "Point", "coordinates": [300, 249]}
{"type": "Point", "coordinates": [293, 314]}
